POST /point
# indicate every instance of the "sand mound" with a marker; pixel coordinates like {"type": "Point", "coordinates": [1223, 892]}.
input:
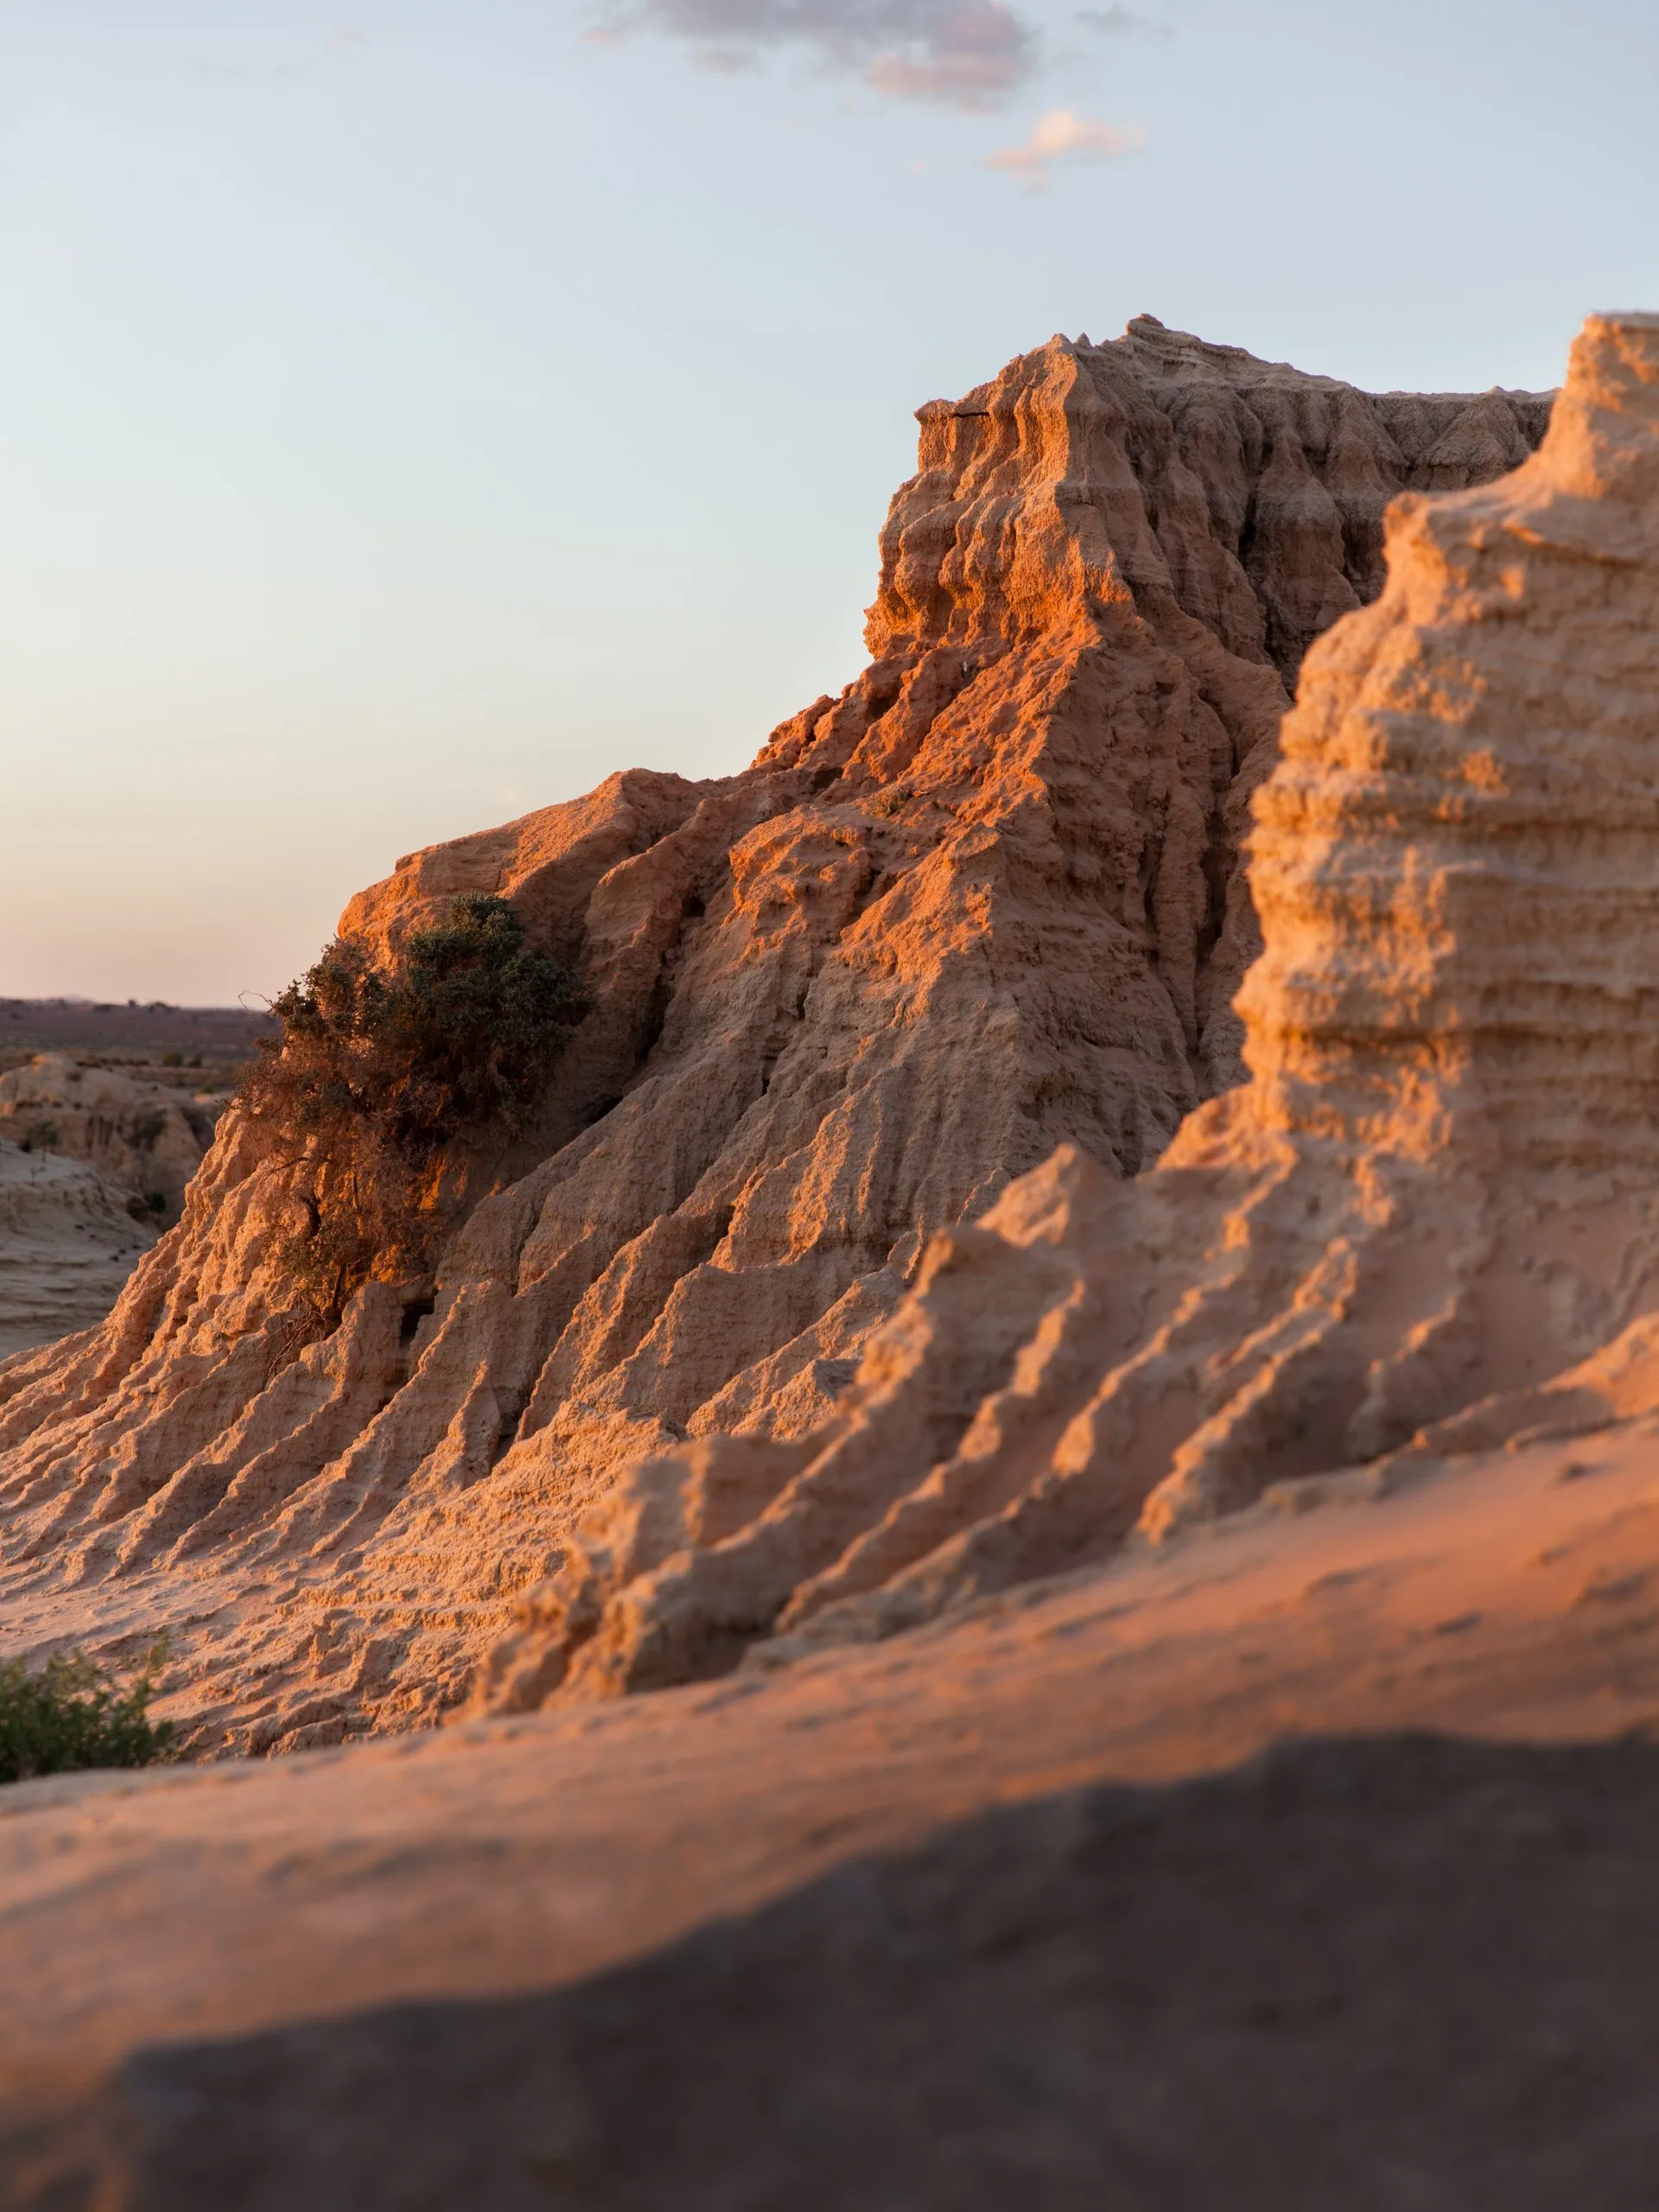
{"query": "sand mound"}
{"type": "Point", "coordinates": [986, 904]}
{"type": "Point", "coordinates": [976, 1914]}
{"type": "Point", "coordinates": [1377, 1972]}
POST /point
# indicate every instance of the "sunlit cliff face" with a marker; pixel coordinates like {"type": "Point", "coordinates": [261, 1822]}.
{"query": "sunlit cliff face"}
{"type": "Point", "coordinates": [1456, 862]}
{"type": "Point", "coordinates": [1435, 1194]}
{"type": "Point", "coordinates": [985, 911]}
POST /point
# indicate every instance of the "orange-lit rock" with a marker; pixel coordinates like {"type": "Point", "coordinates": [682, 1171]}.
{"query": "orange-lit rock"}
{"type": "Point", "coordinates": [676, 1934]}
{"type": "Point", "coordinates": [986, 904]}
{"type": "Point", "coordinates": [1437, 1192]}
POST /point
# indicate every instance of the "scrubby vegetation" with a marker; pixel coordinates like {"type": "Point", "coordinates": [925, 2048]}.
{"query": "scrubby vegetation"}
{"type": "Point", "coordinates": [381, 1074]}
{"type": "Point", "coordinates": [72, 1715]}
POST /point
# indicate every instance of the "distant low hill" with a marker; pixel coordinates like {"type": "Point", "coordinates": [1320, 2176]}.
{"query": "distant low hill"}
{"type": "Point", "coordinates": [220, 1034]}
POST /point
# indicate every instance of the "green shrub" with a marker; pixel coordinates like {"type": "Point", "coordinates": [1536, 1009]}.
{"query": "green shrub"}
{"type": "Point", "coordinates": [381, 1072]}
{"type": "Point", "coordinates": [70, 1715]}
{"type": "Point", "coordinates": [39, 1136]}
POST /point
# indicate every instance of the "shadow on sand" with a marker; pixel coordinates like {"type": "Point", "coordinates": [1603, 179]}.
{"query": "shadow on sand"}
{"type": "Point", "coordinates": [1388, 1974]}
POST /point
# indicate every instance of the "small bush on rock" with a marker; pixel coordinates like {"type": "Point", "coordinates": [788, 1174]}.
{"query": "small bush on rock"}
{"type": "Point", "coordinates": [70, 1715]}
{"type": "Point", "coordinates": [380, 1072]}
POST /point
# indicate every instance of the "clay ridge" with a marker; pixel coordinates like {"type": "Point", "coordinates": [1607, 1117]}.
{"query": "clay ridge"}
{"type": "Point", "coordinates": [986, 904]}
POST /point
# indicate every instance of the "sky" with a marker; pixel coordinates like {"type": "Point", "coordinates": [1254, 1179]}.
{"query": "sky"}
{"type": "Point", "coordinates": [413, 411]}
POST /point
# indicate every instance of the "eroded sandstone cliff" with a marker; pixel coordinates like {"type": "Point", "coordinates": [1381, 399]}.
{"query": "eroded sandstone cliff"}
{"type": "Point", "coordinates": [67, 1243]}
{"type": "Point", "coordinates": [146, 1139]}
{"type": "Point", "coordinates": [1430, 1220]}
{"type": "Point", "coordinates": [986, 904]}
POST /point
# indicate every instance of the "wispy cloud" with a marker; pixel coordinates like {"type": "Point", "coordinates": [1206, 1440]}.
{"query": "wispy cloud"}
{"type": "Point", "coordinates": [1123, 23]}
{"type": "Point", "coordinates": [1061, 135]}
{"type": "Point", "coordinates": [295, 70]}
{"type": "Point", "coordinates": [963, 54]}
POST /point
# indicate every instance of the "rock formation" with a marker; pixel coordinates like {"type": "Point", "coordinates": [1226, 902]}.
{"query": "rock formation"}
{"type": "Point", "coordinates": [1437, 1192]}
{"type": "Point", "coordinates": [986, 904]}
{"type": "Point", "coordinates": [144, 1138]}
{"type": "Point", "coordinates": [67, 1244]}
{"type": "Point", "coordinates": [93, 1162]}
{"type": "Point", "coordinates": [971, 1918]}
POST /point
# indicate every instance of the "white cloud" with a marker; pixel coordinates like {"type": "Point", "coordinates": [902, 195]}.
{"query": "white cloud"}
{"type": "Point", "coordinates": [1061, 136]}
{"type": "Point", "coordinates": [1123, 23]}
{"type": "Point", "coordinates": [963, 54]}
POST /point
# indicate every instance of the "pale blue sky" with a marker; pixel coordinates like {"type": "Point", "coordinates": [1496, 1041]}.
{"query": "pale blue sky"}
{"type": "Point", "coordinates": [411, 411]}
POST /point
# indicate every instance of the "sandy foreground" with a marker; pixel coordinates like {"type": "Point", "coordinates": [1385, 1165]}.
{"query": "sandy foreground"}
{"type": "Point", "coordinates": [192, 1956]}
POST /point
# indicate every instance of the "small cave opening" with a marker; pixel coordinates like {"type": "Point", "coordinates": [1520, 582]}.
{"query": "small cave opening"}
{"type": "Point", "coordinates": [418, 1310]}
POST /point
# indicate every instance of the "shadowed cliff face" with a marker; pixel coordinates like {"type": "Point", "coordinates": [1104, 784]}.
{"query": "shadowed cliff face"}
{"type": "Point", "coordinates": [986, 904]}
